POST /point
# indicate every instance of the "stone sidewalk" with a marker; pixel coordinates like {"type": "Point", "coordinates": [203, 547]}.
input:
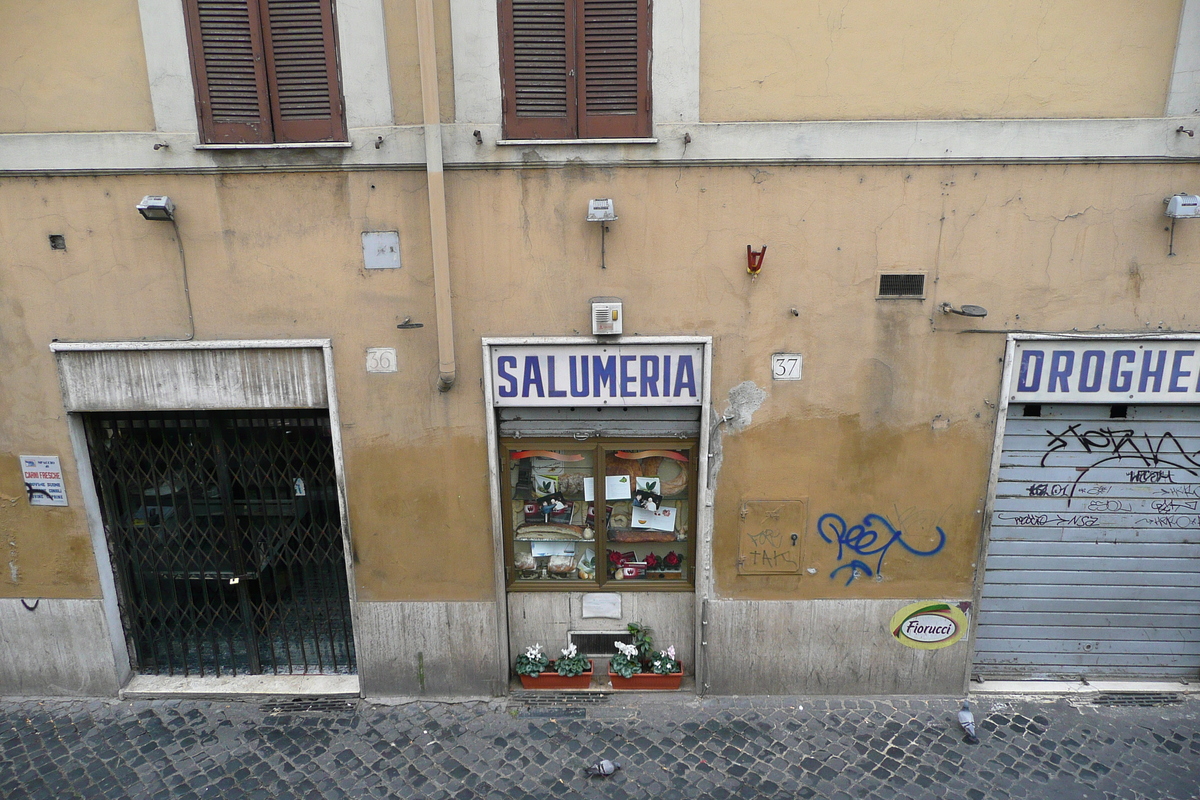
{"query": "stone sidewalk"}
{"type": "Point", "coordinates": [537, 746]}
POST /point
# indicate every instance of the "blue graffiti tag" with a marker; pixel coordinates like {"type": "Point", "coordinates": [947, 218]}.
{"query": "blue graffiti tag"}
{"type": "Point", "coordinates": [874, 535]}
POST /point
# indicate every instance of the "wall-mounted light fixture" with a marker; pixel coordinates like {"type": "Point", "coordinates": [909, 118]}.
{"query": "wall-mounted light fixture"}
{"type": "Point", "coordinates": [602, 211]}
{"type": "Point", "coordinates": [1180, 206]}
{"type": "Point", "coordinates": [965, 310]}
{"type": "Point", "coordinates": [157, 207]}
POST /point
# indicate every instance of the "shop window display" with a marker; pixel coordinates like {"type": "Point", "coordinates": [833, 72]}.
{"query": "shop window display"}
{"type": "Point", "coordinates": [615, 513]}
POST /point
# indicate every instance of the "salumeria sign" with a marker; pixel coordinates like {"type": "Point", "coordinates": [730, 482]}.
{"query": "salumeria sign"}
{"type": "Point", "coordinates": [597, 375]}
{"type": "Point", "coordinates": [1106, 371]}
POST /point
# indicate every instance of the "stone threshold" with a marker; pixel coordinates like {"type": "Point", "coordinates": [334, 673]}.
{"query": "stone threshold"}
{"type": "Point", "coordinates": [241, 687]}
{"type": "Point", "coordinates": [1081, 687]}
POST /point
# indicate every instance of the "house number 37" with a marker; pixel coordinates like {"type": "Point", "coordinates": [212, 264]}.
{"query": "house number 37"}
{"type": "Point", "coordinates": [786, 366]}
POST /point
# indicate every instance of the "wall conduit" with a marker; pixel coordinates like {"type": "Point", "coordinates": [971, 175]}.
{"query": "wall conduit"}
{"type": "Point", "coordinates": [431, 113]}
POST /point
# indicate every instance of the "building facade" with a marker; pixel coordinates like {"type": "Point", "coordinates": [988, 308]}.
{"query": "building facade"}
{"type": "Point", "coordinates": [875, 374]}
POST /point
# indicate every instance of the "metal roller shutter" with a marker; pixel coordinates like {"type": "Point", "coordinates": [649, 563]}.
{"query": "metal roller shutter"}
{"type": "Point", "coordinates": [1093, 564]}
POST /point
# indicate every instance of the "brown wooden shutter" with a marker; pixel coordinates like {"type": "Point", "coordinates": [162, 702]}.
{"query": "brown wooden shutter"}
{"type": "Point", "coordinates": [225, 40]}
{"type": "Point", "coordinates": [537, 68]}
{"type": "Point", "coordinates": [613, 39]}
{"type": "Point", "coordinates": [301, 59]}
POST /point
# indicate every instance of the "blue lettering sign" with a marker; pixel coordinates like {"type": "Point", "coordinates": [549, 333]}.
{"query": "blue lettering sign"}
{"type": "Point", "coordinates": [1126, 376]}
{"type": "Point", "coordinates": [685, 377]}
{"type": "Point", "coordinates": [1062, 363]}
{"type": "Point", "coordinates": [628, 382]}
{"type": "Point", "coordinates": [1155, 372]}
{"type": "Point", "coordinates": [580, 389]}
{"type": "Point", "coordinates": [550, 379]}
{"type": "Point", "coordinates": [1177, 371]}
{"type": "Point", "coordinates": [503, 363]}
{"type": "Point", "coordinates": [666, 376]}
{"type": "Point", "coordinates": [650, 376]}
{"type": "Point", "coordinates": [1030, 379]}
{"type": "Point", "coordinates": [1091, 371]}
{"type": "Point", "coordinates": [604, 373]}
{"type": "Point", "coordinates": [533, 377]}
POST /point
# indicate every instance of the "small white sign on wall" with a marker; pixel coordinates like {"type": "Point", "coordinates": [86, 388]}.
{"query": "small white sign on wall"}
{"type": "Point", "coordinates": [43, 481]}
{"type": "Point", "coordinates": [605, 605]}
{"type": "Point", "coordinates": [381, 249]}
{"type": "Point", "coordinates": [786, 366]}
{"type": "Point", "coordinates": [381, 359]}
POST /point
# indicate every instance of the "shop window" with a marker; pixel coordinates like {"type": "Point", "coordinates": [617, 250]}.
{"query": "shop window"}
{"type": "Point", "coordinates": [575, 68]}
{"type": "Point", "coordinates": [615, 513]}
{"type": "Point", "coordinates": [265, 71]}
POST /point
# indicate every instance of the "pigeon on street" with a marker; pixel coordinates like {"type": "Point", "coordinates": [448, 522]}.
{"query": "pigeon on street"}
{"type": "Point", "coordinates": [604, 768]}
{"type": "Point", "coordinates": [967, 720]}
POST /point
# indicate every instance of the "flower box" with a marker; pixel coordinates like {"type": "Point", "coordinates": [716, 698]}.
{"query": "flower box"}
{"type": "Point", "coordinates": [647, 680]}
{"type": "Point", "coordinates": [552, 680]}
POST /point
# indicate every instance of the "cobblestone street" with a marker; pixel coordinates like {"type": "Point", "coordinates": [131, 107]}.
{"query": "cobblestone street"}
{"type": "Point", "coordinates": [538, 747]}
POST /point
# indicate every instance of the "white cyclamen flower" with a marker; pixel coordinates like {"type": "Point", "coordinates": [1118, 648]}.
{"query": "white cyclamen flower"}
{"type": "Point", "coordinates": [570, 651]}
{"type": "Point", "coordinates": [628, 649]}
{"type": "Point", "coordinates": [671, 652]}
{"type": "Point", "coordinates": [534, 652]}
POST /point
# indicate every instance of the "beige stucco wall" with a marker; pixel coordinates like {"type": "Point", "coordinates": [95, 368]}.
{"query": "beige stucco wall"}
{"type": "Point", "coordinates": [404, 67]}
{"type": "Point", "coordinates": [73, 66]}
{"type": "Point", "coordinates": [894, 414]}
{"type": "Point", "coordinates": [874, 59]}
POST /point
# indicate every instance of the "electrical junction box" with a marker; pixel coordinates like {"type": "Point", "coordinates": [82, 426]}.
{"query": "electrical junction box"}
{"type": "Point", "coordinates": [606, 317]}
{"type": "Point", "coordinates": [1183, 206]}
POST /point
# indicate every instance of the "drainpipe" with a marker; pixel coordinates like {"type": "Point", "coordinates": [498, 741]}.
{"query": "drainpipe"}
{"type": "Point", "coordinates": [431, 112]}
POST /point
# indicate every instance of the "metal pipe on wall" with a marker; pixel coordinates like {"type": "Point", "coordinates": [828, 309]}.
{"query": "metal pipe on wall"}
{"type": "Point", "coordinates": [431, 114]}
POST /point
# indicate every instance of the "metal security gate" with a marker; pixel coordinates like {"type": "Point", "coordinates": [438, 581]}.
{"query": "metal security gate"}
{"type": "Point", "coordinates": [1093, 565]}
{"type": "Point", "coordinates": [225, 537]}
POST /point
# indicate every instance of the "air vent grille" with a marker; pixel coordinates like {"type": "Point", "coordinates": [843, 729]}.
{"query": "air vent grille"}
{"type": "Point", "coordinates": [598, 643]}
{"type": "Point", "coordinates": [1137, 699]}
{"type": "Point", "coordinates": [902, 284]}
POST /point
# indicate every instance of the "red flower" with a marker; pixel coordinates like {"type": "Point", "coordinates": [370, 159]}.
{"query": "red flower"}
{"type": "Point", "coordinates": [616, 558]}
{"type": "Point", "coordinates": [672, 560]}
{"type": "Point", "coordinates": [651, 561]}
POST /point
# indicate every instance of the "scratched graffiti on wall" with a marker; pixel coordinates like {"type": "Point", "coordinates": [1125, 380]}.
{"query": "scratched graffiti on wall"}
{"type": "Point", "coordinates": [869, 540]}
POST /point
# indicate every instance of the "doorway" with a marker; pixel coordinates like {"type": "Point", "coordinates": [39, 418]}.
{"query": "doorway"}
{"type": "Point", "coordinates": [224, 533]}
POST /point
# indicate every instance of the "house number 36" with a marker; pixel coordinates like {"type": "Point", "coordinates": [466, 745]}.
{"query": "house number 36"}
{"type": "Point", "coordinates": [786, 366]}
{"type": "Point", "coordinates": [381, 359]}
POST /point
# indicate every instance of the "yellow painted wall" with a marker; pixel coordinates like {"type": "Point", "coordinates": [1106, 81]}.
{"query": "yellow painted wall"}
{"type": "Point", "coordinates": [894, 414]}
{"type": "Point", "coordinates": [68, 65]}
{"type": "Point", "coordinates": [875, 59]}
{"type": "Point", "coordinates": [404, 67]}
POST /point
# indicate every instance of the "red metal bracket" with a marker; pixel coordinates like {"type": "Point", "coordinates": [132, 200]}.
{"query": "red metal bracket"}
{"type": "Point", "coordinates": [754, 259]}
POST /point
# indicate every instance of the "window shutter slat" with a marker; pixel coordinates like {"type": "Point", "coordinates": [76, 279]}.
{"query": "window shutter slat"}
{"type": "Point", "coordinates": [227, 62]}
{"type": "Point", "coordinates": [301, 57]}
{"type": "Point", "coordinates": [614, 66]}
{"type": "Point", "coordinates": [538, 51]}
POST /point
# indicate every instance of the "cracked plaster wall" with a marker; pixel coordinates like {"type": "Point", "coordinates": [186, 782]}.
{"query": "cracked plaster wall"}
{"type": "Point", "coordinates": [894, 414]}
{"type": "Point", "coordinates": [874, 59]}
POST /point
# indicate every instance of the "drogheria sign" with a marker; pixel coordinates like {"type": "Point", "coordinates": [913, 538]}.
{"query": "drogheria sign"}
{"type": "Point", "coordinates": [928, 625]}
{"type": "Point", "coordinates": [597, 375]}
{"type": "Point", "coordinates": [1106, 371]}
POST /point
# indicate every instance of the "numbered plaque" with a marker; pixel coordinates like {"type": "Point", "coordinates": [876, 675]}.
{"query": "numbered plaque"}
{"type": "Point", "coordinates": [786, 366]}
{"type": "Point", "coordinates": [381, 359]}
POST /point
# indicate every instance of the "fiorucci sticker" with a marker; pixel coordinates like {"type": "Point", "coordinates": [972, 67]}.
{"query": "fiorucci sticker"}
{"type": "Point", "coordinates": [928, 625]}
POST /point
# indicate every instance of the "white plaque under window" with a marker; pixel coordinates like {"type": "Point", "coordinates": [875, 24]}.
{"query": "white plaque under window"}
{"type": "Point", "coordinates": [381, 249]}
{"type": "Point", "coordinates": [606, 605]}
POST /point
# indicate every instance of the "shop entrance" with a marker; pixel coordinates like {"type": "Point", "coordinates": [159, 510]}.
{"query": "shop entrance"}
{"type": "Point", "coordinates": [224, 534]}
{"type": "Point", "coordinates": [1093, 564]}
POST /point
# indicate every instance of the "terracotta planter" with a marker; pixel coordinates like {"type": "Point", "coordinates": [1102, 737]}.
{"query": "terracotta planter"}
{"type": "Point", "coordinates": [552, 680]}
{"type": "Point", "coordinates": [646, 680]}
